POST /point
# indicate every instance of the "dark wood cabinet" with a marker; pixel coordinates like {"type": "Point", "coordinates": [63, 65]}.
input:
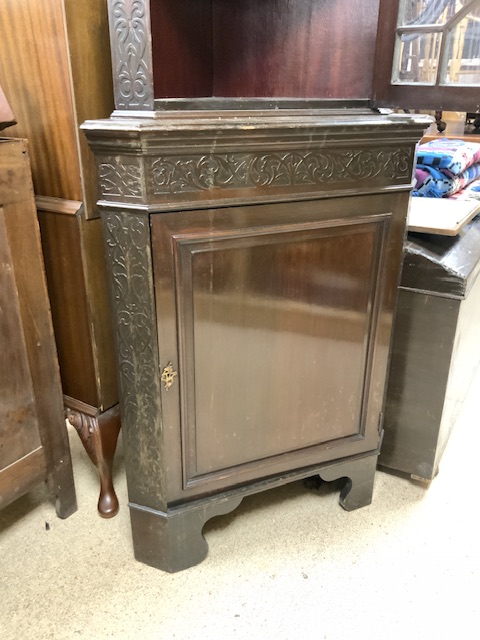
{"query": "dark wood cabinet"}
{"type": "Point", "coordinates": [254, 241]}
{"type": "Point", "coordinates": [254, 249]}
{"type": "Point", "coordinates": [33, 435]}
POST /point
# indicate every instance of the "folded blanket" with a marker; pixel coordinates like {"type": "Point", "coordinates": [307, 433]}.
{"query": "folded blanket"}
{"type": "Point", "coordinates": [433, 183]}
{"type": "Point", "coordinates": [470, 192]}
{"type": "Point", "coordinates": [452, 157]}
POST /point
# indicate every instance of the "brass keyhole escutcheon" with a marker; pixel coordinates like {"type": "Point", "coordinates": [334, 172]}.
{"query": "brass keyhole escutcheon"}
{"type": "Point", "coordinates": [168, 376]}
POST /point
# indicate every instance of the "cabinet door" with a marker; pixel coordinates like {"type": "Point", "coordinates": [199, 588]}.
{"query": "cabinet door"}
{"type": "Point", "coordinates": [276, 321]}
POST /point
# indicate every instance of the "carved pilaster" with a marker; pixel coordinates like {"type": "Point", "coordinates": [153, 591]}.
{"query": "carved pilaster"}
{"type": "Point", "coordinates": [131, 54]}
{"type": "Point", "coordinates": [127, 238]}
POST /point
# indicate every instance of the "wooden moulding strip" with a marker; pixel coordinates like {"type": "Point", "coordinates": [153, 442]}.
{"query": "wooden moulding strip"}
{"type": "Point", "coordinates": [57, 205]}
{"type": "Point", "coordinates": [78, 405]}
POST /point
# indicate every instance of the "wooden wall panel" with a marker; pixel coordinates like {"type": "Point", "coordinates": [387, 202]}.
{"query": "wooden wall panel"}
{"type": "Point", "coordinates": [35, 75]}
{"type": "Point", "coordinates": [66, 283]}
{"type": "Point", "coordinates": [92, 83]}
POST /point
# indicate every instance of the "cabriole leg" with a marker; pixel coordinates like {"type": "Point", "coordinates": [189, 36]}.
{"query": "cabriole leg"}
{"type": "Point", "coordinates": [99, 435]}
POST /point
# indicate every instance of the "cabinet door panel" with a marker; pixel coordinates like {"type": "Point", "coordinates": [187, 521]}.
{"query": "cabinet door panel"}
{"type": "Point", "coordinates": [274, 346]}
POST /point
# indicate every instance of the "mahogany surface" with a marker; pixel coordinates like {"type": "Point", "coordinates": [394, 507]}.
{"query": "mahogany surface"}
{"type": "Point", "coordinates": [304, 48]}
{"type": "Point", "coordinates": [262, 307]}
{"type": "Point", "coordinates": [277, 48]}
{"type": "Point", "coordinates": [183, 48]}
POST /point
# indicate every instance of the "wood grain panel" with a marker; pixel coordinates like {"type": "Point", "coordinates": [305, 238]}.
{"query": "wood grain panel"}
{"type": "Point", "coordinates": [182, 48]}
{"type": "Point", "coordinates": [66, 283]}
{"type": "Point", "coordinates": [288, 311]}
{"type": "Point", "coordinates": [277, 323]}
{"type": "Point", "coordinates": [34, 72]}
{"type": "Point", "coordinates": [21, 229]}
{"type": "Point", "coordinates": [19, 429]}
{"type": "Point", "coordinates": [270, 48]}
{"type": "Point", "coordinates": [92, 83]}
{"type": "Point", "coordinates": [22, 475]}
{"type": "Point", "coordinates": [99, 313]}
{"type": "Point", "coordinates": [34, 303]}
{"type": "Point", "coordinates": [304, 48]}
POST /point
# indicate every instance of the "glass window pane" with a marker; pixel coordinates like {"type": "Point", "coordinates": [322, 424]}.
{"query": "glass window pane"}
{"type": "Point", "coordinates": [462, 64]}
{"type": "Point", "coordinates": [416, 58]}
{"type": "Point", "coordinates": [420, 12]}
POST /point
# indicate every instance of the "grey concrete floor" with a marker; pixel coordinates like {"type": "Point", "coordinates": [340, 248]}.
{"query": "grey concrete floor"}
{"type": "Point", "coordinates": [289, 563]}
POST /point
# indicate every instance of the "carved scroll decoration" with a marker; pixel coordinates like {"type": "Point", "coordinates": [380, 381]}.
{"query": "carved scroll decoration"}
{"type": "Point", "coordinates": [120, 180]}
{"type": "Point", "coordinates": [175, 174]}
{"type": "Point", "coordinates": [132, 54]}
{"type": "Point", "coordinates": [127, 238]}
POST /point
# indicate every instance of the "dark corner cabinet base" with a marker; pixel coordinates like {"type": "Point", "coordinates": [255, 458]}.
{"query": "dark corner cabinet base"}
{"type": "Point", "coordinates": [173, 540]}
{"type": "Point", "coordinates": [254, 249]}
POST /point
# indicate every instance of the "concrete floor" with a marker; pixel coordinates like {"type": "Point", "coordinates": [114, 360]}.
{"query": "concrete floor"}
{"type": "Point", "coordinates": [287, 564]}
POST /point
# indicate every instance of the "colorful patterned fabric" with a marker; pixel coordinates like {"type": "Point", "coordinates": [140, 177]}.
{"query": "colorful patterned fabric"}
{"type": "Point", "coordinates": [451, 157]}
{"type": "Point", "coordinates": [470, 192]}
{"type": "Point", "coordinates": [433, 183]}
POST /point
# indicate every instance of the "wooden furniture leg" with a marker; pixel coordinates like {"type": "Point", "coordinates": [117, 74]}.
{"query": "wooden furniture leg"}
{"type": "Point", "coordinates": [441, 125]}
{"type": "Point", "coordinates": [359, 474]}
{"type": "Point", "coordinates": [98, 432]}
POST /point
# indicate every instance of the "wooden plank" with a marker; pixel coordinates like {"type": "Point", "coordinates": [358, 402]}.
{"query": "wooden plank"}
{"type": "Point", "coordinates": [21, 476]}
{"type": "Point", "coordinates": [441, 216]}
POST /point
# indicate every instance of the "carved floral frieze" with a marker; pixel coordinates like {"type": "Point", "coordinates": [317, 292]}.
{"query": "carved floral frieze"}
{"type": "Point", "coordinates": [177, 174]}
{"type": "Point", "coordinates": [121, 178]}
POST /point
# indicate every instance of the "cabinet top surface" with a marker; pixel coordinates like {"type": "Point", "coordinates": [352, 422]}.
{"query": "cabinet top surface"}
{"type": "Point", "coordinates": [249, 114]}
